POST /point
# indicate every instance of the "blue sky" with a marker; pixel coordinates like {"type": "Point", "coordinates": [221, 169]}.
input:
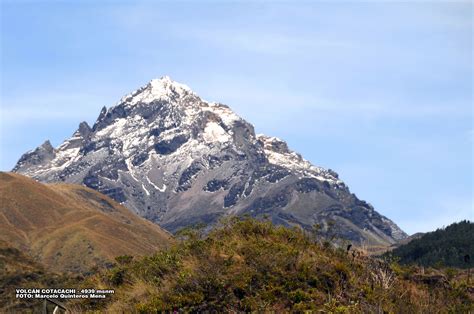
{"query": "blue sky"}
{"type": "Point", "coordinates": [381, 92]}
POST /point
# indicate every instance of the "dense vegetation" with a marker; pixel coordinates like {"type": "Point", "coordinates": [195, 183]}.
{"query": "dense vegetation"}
{"type": "Point", "coordinates": [452, 246]}
{"type": "Point", "coordinates": [246, 265]}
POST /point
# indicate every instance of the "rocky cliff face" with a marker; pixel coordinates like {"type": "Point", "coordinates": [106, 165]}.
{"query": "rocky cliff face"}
{"type": "Point", "coordinates": [178, 160]}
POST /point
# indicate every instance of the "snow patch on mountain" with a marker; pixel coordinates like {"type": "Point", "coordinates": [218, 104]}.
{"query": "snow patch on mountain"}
{"type": "Point", "coordinates": [214, 132]}
{"type": "Point", "coordinates": [162, 189]}
{"type": "Point", "coordinates": [227, 116]}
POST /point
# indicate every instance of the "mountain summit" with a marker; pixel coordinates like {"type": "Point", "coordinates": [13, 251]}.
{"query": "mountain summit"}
{"type": "Point", "coordinates": [178, 160]}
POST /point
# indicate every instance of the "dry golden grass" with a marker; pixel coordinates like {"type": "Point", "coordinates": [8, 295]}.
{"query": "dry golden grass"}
{"type": "Point", "coordinates": [70, 227]}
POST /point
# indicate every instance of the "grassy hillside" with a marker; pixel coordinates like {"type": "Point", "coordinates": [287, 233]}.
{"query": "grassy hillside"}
{"type": "Point", "coordinates": [443, 247]}
{"type": "Point", "coordinates": [71, 227]}
{"type": "Point", "coordinates": [254, 266]}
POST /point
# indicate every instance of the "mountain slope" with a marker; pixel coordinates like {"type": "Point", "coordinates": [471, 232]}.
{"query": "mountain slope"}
{"type": "Point", "coordinates": [178, 160]}
{"type": "Point", "coordinates": [71, 227]}
{"type": "Point", "coordinates": [443, 247]}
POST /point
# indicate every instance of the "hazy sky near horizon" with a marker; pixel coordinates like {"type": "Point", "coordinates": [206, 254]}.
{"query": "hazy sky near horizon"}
{"type": "Point", "coordinates": [380, 92]}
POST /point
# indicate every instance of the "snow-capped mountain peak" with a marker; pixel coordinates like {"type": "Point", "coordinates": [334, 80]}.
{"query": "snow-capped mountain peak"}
{"type": "Point", "coordinates": [177, 160]}
{"type": "Point", "coordinates": [163, 88]}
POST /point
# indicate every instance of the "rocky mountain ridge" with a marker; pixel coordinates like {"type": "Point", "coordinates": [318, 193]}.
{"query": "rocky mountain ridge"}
{"type": "Point", "coordinates": [179, 160]}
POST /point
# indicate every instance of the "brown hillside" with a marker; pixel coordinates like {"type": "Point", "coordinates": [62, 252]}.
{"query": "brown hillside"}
{"type": "Point", "coordinates": [71, 227]}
